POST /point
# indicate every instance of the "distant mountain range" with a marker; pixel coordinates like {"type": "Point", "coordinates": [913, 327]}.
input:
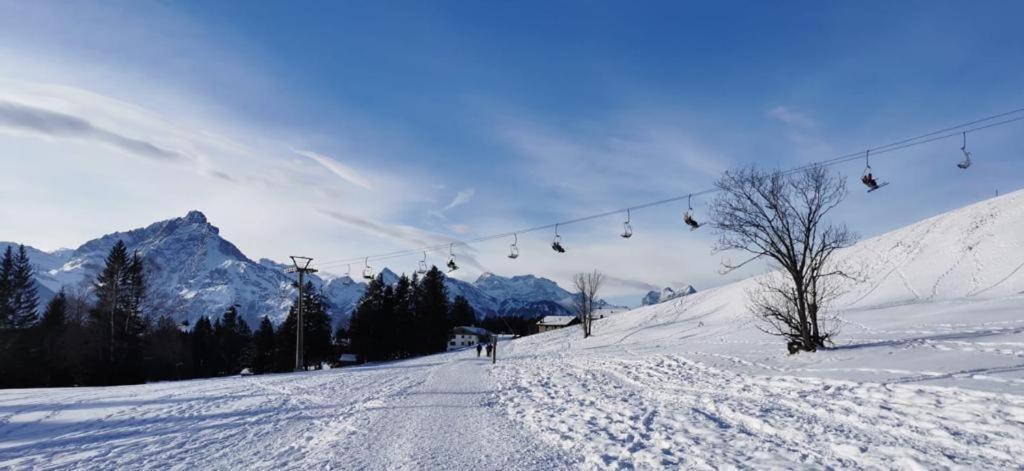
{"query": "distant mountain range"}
{"type": "Point", "coordinates": [193, 271]}
{"type": "Point", "coordinates": [667, 293]}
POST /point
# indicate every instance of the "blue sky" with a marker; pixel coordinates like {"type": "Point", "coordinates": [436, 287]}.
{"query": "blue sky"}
{"type": "Point", "coordinates": [380, 126]}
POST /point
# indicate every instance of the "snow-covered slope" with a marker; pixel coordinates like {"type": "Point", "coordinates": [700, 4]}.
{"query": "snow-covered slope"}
{"type": "Point", "coordinates": [927, 373]}
{"type": "Point", "coordinates": [942, 285]}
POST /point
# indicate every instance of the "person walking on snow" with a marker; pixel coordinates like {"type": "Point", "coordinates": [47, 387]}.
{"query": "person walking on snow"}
{"type": "Point", "coordinates": [478, 348]}
{"type": "Point", "coordinates": [488, 350]}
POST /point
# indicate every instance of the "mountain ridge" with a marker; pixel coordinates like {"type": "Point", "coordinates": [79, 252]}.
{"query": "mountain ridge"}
{"type": "Point", "coordinates": [194, 271]}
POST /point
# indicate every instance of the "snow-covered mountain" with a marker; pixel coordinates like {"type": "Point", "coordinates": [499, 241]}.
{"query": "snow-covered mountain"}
{"type": "Point", "coordinates": [193, 271]}
{"type": "Point", "coordinates": [655, 297]}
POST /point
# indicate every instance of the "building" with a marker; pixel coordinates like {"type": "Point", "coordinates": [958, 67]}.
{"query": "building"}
{"type": "Point", "coordinates": [346, 359]}
{"type": "Point", "coordinates": [467, 336]}
{"type": "Point", "coordinates": [556, 322]}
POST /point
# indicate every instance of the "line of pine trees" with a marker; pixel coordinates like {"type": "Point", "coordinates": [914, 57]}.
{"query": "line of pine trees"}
{"type": "Point", "coordinates": [411, 318]}
{"type": "Point", "coordinates": [109, 336]}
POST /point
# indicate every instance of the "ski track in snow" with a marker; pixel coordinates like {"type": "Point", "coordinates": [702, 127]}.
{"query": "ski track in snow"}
{"type": "Point", "coordinates": [667, 411]}
{"type": "Point", "coordinates": [427, 413]}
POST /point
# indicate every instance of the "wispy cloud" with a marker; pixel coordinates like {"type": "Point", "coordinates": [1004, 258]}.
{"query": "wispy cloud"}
{"type": "Point", "coordinates": [791, 117]}
{"type": "Point", "coordinates": [643, 156]}
{"type": "Point", "coordinates": [42, 122]}
{"type": "Point", "coordinates": [345, 172]}
{"type": "Point", "coordinates": [400, 232]}
{"type": "Point", "coordinates": [459, 228]}
{"type": "Point", "coordinates": [460, 199]}
{"type": "Point", "coordinates": [629, 284]}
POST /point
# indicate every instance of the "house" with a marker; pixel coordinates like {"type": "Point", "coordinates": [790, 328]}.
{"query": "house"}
{"type": "Point", "coordinates": [346, 359]}
{"type": "Point", "coordinates": [467, 336]}
{"type": "Point", "coordinates": [556, 322]}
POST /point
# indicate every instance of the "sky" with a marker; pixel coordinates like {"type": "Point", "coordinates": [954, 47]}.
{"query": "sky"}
{"type": "Point", "coordinates": [339, 130]}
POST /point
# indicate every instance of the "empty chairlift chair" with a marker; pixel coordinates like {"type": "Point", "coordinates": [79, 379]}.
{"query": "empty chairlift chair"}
{"type": "Point", "coordinates": [967, 155]}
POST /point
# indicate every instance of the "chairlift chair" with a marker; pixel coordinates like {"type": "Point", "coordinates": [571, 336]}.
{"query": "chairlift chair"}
{"type": "Point", "coordinates": [423, 264]}
{"type": "Point", "coordinates": [513, 249]}
{"type": "Point", "coordinates": [868, 179]}
{"type": "Point", "coordinates": [368, 271]}
{"type": "Point", "coordinates": [627, 229]}
{"type": "Point", "coordinates": [452, 266]}
{"type": "Point", "coordinates": [556, 244]}
{"type": "Point", "coordinates": [963, 164]}
{"type": "Point", "coordinates": [688, 215]}
{"type": "Point", "coordinates": [690, 221]}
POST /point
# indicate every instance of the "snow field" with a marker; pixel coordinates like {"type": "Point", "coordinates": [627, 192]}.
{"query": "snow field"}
{"type": "Point", "coordinates": [668, 412]}
{"type": "Point", "coordinates": [927, 373]}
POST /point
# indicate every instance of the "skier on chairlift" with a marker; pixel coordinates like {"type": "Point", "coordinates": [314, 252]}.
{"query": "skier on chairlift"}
{"type": "Point", "coordinates": [688, 215]}
{"type": "Point", "coordinates": [451, 259]}
{"type": "Point", "coordinates": [556, 244]}
{"type": "Point", "coordinates": [870, 181]}
{"type": "Point", "coordinates": [688, 219]}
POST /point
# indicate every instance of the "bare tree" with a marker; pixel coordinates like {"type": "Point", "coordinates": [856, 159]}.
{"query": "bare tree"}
{"type": "Point", "coordinates": [783, 217]}
{"type": "Point", "coordinates": [587, 286]}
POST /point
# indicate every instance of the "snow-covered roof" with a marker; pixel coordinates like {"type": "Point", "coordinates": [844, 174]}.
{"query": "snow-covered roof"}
{"type": "Point", "coordinates": [470, 330]}
{"type": "Point", "coordinates": [556, 320]}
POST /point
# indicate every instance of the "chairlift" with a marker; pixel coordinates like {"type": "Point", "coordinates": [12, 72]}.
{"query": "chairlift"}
{"type": "Point", "coordinates": [513, 249]}
{"type": "Point", "coordinates": [452, 266]}
{"type": "Point", "coordinates": [627, 229]}
{"type": "Point", "coordinates": [967, 155]}
{"type": "Point", "coordinates": [688, 215]}
{"type": "Point", "coordinates": [868, 179]}
{"type": "Point", "coordinates": [348, 273]}
{"type": "Point", "coordinates": [368, 271]}
{"type": "Point", "coordinates": [423, 264]}
{"type": "Point", "coordinates": [556, 244]}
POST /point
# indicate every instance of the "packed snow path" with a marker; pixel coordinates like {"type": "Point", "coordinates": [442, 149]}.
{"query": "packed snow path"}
{"type": "Point", "coordinates": [430, 413]}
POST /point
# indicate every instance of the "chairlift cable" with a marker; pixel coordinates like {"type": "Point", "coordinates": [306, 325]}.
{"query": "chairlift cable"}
{"type": "Point", "coordinates": [944, 133]}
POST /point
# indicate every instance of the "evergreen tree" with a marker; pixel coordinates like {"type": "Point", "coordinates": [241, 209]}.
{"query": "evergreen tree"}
{"type": "Point", "coordinates": [264, 344]}
{"type": "Point", "coordinates": [117, 320]}
{"type": "Point", "coordinates": [24, 298]}
{"type": "Point", "coordinates": [431, 320]}
{"type": "Point", "coordinates": [6, 276]}
{"type": "Point", "coordinates": [204, 354]}
{"type": "Point", "coordinates": [462, 314]}
{"type": "Point", "coordinates": [135, 283]}
{"type": "Point", "coordinates": [168, 355]}
{"type": "Point", "coordinates": [55, 361]}
{"type": "Point", "coordinates": [403, 329]}
{"type": "Point", "coordinates": [366, 328]}
{"type": "Point", "coordinates": [233, 338]}
{"type": "Point", "coordinates": [316, 338]}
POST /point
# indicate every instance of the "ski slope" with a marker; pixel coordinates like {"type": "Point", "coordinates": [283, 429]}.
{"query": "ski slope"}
{"type": "Point", "coordinates": [928, 372]}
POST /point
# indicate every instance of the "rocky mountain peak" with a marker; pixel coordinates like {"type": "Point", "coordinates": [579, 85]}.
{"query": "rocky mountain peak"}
{"type": "Point", "coordinates": [196, 217]}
